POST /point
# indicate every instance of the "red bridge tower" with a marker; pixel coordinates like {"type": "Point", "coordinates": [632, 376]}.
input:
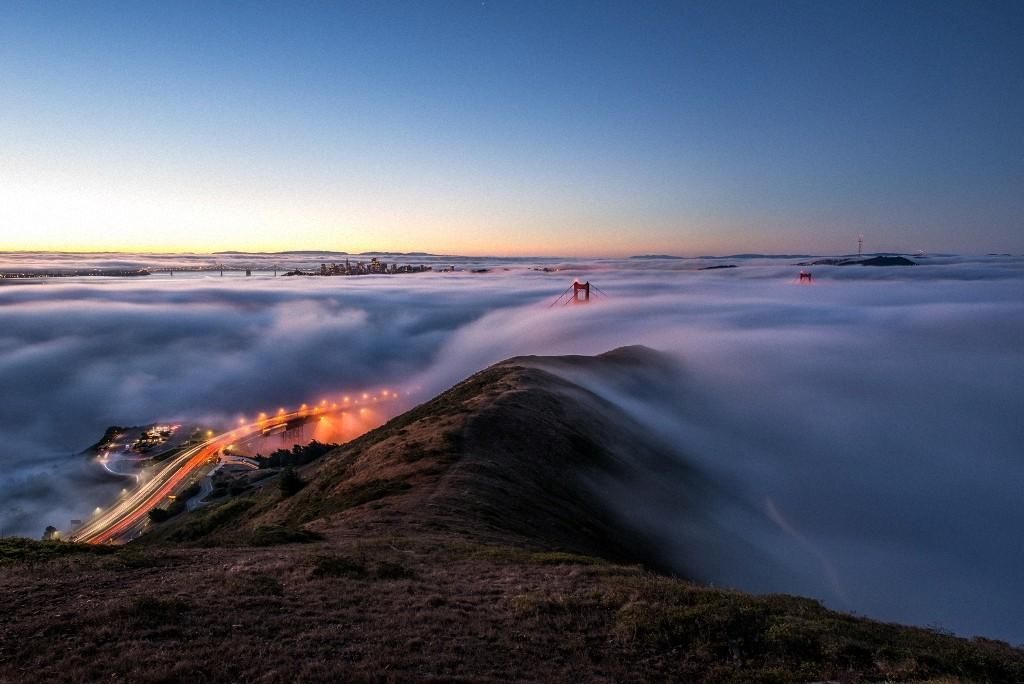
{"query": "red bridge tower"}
{"type": "Point", "coordinates": [577, 293]}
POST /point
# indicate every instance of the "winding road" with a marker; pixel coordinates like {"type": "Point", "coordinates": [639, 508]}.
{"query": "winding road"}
{"type": "Point", "coordinates": [126, 518]}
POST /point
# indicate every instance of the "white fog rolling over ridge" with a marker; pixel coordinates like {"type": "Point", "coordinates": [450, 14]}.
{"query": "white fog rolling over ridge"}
{"type": "Point", "coordinates": [866, 427]}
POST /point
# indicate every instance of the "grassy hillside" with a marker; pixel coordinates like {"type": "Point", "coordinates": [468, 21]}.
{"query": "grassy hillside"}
{"type": "Point", "coordinates": [460, 541]}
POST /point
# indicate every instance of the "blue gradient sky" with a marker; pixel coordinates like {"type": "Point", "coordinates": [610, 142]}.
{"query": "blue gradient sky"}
{"type": "Point", "coordinates": [512, 128]}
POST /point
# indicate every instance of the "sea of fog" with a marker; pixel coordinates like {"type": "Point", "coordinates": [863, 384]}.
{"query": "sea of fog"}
{"type": "Point", "coordinates": [866, 428]}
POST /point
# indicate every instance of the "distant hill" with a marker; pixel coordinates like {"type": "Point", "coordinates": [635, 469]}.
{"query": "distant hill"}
{"type": "Point", "coordinates": [461, 541]}
{"type": "Point", "coordinates": [758, 256]}
{"type": "Point", "coordinates": [408, 254]}
{"type": "Point", "coordinates": [297, 252]}
{"type": "Point", "coordinates": [656, 256]}
{"type": "Point", "coordinates": [887, 261]}
{"type": "Point", "coordinates": [879, 260]}
{"type": "Point", "coordinates": [444, 452]}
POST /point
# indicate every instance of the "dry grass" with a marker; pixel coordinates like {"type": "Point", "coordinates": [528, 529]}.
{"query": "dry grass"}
{"type": "Point", "coordinates": [454, 543]}
{"type": "Point", "coordinates": [401, 609]}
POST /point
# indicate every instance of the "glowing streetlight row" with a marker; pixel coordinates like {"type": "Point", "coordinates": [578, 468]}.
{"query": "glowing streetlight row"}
{"type": "Point", "coordinates": [107, 524]}
{"type": "Point", "coordinates": [324, 405]}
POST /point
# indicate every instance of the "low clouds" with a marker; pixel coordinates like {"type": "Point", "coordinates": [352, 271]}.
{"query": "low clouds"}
{"type": "Point", "coordinates": [867, 426]}
{"type": "Point", "coordinates": [76, 357]}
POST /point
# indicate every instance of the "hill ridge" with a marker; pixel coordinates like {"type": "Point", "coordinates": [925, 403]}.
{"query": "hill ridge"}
{"type": "Point", "coordinates": [462, 540]}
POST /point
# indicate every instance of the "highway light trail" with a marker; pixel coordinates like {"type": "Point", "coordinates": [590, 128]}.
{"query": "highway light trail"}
{"type": "Point", "coordinates": [126, 517]}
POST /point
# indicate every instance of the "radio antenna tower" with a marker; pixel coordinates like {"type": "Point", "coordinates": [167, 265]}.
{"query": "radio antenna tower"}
{"type": "Point", "coordinates": [860, 245]}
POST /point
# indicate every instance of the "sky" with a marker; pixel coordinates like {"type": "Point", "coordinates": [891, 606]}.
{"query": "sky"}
{"type": "Point", "coordinates": [512, 128]}
{"type": "Point", "coordinates": [862, 433]}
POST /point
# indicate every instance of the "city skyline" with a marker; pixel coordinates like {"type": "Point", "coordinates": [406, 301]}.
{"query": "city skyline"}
{"type": "Point", "coordinates": [513, 130]}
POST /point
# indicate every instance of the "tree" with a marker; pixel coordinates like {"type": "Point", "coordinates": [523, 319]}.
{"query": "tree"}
{"type": "Point", "coordinates": [50, 533]}
{"type": "Point", "coordinates": [159, 515]}
{"type": "Point", "coordinates": [299, 455]}
{"type": "Point", "coordinates": [290, 482]}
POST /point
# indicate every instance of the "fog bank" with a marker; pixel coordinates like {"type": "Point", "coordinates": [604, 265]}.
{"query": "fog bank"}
{"type": "Point", "coordinates": [866, 426]}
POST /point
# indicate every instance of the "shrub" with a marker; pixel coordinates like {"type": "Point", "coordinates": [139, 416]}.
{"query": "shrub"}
{"type": "Point", "coordinates": [207, 520]}
{"type": "Point", "coordinates": [272, 535]}
{"type": "Point", "coordinates": [338, 566]}
{"type": "Point", "coordinates": [359, 568]}
{"type": "Point", "coordinates": [151, 611]}
{"type": "Point", "coordinates": [290, 482]}
{"type": "Point", "coordinates": [159, 515]}
{"type": "Point", "coordinates": [27, 550]}
{"type": "Point", "coordinates": [390, 570]}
